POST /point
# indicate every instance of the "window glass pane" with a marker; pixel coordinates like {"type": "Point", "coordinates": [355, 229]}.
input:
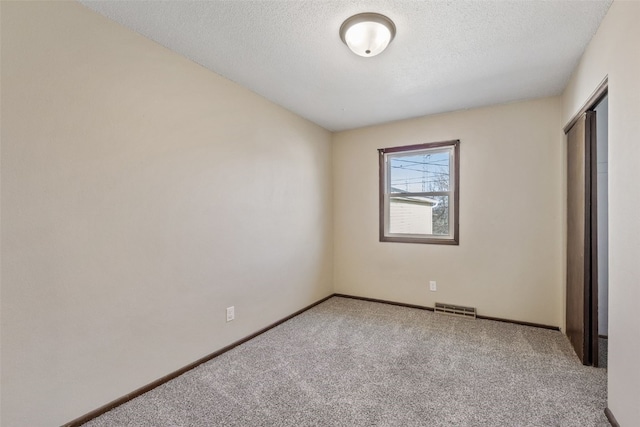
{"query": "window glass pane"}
{"type": "Point", "coordinates": [441, 216]}
{"type": "Point", "coordinates": [411, 215]}
{"type": "Point", "coordinates": [419, 215]}
{"type": "Point", "coordinates": [419, 172]}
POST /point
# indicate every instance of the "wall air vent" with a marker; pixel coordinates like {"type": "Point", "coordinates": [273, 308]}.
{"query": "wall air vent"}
{"type": "Point", "coordinates": [455, 310]}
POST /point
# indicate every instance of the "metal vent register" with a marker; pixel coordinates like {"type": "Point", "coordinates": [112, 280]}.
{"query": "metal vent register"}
{"type": "Point", "coordinates": [455, 310]}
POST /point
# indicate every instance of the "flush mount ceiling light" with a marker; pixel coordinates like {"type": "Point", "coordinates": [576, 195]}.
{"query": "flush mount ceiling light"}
{"type": "Point", "coordinates": [367, 34]}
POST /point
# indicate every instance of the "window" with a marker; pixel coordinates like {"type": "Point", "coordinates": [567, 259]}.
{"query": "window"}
{"type": "Point", "coordinates": [419, 186]}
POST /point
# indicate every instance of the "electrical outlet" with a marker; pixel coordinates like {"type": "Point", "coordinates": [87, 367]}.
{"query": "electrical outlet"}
{"type": "Point", "coordinates": [432, 285]}
{"type": "Point", "coordinates": [231, 313]}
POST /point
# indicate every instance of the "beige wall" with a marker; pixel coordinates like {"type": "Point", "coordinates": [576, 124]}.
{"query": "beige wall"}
{"type": "Point", "coordinates": [614, 52]}
{"type": "Point", "coordinates": [141, 195]}
{"type": "Point", "coordinates": [509, 262]}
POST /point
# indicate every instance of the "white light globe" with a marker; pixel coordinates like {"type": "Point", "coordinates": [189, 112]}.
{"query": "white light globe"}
{"type": "Point", "coordinates": [367, 38]}
{"type": "Point", "coordinates": [367, 34]}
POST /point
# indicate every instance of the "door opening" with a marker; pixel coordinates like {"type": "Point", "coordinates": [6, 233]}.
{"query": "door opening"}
{"type": "Point", "coordinates": [587, 230]}
{"type": "Point", "coordinates": [602, 202]}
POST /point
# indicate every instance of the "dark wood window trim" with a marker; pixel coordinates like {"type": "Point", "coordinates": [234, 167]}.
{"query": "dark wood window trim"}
{"type": "Point", "coordinates": [455, 238]}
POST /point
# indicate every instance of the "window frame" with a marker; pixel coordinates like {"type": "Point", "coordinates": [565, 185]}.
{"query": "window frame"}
{"type": "Point", "coordinates": [452, 238]}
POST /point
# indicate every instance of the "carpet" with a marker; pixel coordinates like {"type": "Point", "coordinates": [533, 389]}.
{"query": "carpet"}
{"type": "Point", "coordinates": [348, 362]}
{"type": "Point", "coordinates": [603, 352]}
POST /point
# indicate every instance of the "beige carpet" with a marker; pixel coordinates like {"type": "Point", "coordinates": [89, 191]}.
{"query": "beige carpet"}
{"type": "Point", "coordinates": [355, 363]}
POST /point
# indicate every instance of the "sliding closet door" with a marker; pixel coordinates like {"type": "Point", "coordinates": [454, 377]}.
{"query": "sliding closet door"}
{"type": "Point", "coordinates": [579, 263]}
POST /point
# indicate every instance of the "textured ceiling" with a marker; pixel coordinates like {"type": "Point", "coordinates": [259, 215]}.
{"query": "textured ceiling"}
{"type": "Point", "coordinates": [447, 55]}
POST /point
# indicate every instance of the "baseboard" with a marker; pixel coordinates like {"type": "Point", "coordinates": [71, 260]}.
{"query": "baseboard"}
{"type": "Point", "coordinates": [422, 307]}
{"type": "Point", "coordinates": [382, 301]}
{"type": "Point", "coordinates": [611, 418]}
{"type": "Point", "coordinates": [127, 397]}
{"type": "Point", "coordinates": [520, 322]}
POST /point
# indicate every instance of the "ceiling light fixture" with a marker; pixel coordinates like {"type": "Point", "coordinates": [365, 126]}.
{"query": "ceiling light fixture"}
{"type": "Point", "coordinates": [367, 34]}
